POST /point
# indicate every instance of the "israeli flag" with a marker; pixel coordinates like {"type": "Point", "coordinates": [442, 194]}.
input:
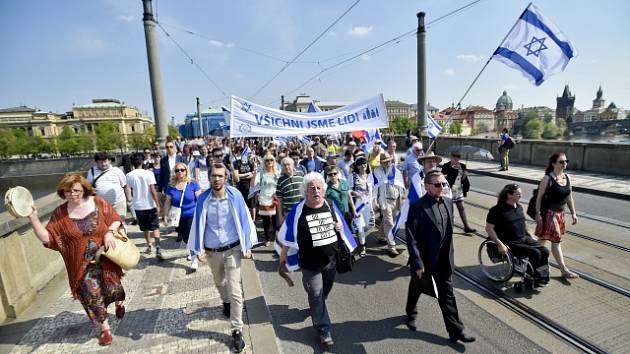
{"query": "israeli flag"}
{"type": "Point", "coordinates": [416, 191]}
{"type": "Point", "coordinates": [370, 137]}
{"type": "Point", "coordinates": [535, 47]}
{"type": "Point", "coordinates": [433, 128]}
{"type": "Point", "coordinates": [304, 139]}
{"type": "Point", "coordinates": [246, 153]}
{"type": "Point", "coordinates": [313, 108]}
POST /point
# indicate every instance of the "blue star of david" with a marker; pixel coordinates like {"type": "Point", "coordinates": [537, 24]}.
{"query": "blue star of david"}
{"type": "Point", "coordinates": [531, 44]}
{"type": "Point", "coordinates": [246, 107]}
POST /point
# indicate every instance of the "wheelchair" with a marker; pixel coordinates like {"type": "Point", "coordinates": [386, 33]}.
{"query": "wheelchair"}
{"type": "Point", "coordinates": [501, 268]}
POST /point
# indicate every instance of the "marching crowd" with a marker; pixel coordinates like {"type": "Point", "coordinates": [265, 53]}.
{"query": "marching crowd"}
{"type": "Point", "coordinates": [313, 199]}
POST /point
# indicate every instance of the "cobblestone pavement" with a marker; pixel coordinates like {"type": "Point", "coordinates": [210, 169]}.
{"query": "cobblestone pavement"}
{"type": "Point", "coordinates": [169, 310]}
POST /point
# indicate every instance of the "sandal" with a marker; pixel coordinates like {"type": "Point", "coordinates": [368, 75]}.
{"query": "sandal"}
{"type": "Point", "coordinates": [120, 311]}
{"type": "Point", "coordinates": [106, 337]}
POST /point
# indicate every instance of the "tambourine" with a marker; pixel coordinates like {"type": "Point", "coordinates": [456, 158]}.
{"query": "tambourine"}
{"type": "Point", "coordinates": [19, 202]}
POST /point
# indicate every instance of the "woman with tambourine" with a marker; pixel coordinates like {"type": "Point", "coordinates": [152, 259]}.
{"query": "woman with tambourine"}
{"type": "Point", "coordinates": [78, 229]}
{"type": "Point", "coordinates": [179, 207]}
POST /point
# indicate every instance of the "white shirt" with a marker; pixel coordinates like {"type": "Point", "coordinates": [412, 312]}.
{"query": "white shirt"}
{"type": "Point", "coordinates": [171, 162]}
{"type": "Point", "coordinates": [140, 180]}
{"type": "Point", "coordinates": [109, 186]}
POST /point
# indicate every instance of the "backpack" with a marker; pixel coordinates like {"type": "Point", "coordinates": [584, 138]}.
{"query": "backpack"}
{"type": "Point", "coordinates": [509, 144]}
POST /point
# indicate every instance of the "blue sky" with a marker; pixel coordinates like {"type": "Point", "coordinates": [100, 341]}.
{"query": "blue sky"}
{"type": "Point", "coordinates": [56, 53]}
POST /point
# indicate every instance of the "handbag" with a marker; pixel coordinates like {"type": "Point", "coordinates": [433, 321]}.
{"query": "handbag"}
{"type": "Point", "coordinates": [174, 213]}
{"type": "Point", "coordinates": [344, 258]}
{"type": "Point", "coordinates": [126, 254]}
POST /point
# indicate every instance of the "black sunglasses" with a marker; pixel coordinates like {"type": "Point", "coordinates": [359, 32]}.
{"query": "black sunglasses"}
{"type": "Point", "coordinates": [332, 174]}
{"type": "Point", "coordinates": [456, 155]}
{"type": "Point", "coordinates": [439, 184]}
{"type": "Point", "coordinates": [180, 170]}
{"type": "Point", "coordinates": [563, 161]}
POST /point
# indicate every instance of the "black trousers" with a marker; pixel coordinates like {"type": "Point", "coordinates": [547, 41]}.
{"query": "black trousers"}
{"type": "Point", "coordinates": [537, 254]}
{"type": "Point", "coordinates": [446, 300]}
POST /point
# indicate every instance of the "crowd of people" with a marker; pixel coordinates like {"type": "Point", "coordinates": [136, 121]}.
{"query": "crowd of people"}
{"type": "Point", "coordinates": [310, 197]}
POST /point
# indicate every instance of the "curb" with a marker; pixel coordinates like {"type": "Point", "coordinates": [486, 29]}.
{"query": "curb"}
{"type": "Point", "coordinates": [599, 192]}
{"type": "Point", "coordinates": [261, 331]}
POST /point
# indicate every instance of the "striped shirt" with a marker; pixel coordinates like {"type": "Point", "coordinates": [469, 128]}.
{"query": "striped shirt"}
{"type": "Point", "coordinates": [290, 190]}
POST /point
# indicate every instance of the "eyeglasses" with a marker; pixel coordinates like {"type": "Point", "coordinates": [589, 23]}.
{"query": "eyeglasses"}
{"type": "Point", "coordinates": [439, 184]}
{"type": "Point", "coordinates": [332, 174]}
{"type": "Point", "coordinates": [564, 162]}
{"type": "Point", "coordinates": [268, 160]}
{"type": "Point", "coordinates": [456, 155]}
{"type": "Point", "coordinates": [73, 191]}
{"type": "Point", "coordinates": [180, 170]}
{"type": "Point", "coordinates": [170, 146]}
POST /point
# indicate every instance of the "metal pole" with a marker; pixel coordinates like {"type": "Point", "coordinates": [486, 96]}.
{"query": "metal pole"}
{"type": "Point", "coordinates": [161, 122]}
{"type": "Point", "coordinates": [422, 77]}
{"type": "Point", "coordinates": [199, 119]}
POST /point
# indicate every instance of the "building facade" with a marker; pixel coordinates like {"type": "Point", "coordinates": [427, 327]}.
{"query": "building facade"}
{"type": "Point", "coordinates": [565, 105]}
{"type": "Point", "coordinates": [85, 118]}
{"type": "Point", "coordinates": [503, 112]}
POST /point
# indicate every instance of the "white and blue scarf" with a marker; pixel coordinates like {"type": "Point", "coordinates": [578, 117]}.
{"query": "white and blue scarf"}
{"type": "Point", "coordinates": [287, 236]}
{"type": "Point", "coordinates": [239, 211]}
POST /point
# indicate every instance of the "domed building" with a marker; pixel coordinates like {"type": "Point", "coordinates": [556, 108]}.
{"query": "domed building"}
{"type": "Point", "coordinates": [503, 113]}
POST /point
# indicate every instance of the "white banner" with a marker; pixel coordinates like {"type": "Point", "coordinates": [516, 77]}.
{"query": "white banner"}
{"type": "Point", "coordinates": [249, 119]}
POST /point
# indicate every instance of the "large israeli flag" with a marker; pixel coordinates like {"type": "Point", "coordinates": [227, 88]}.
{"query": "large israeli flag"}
{"type": "Point", "coordinates": [416, 191]}
{"type": "Point", "coordinates": [535, 47]}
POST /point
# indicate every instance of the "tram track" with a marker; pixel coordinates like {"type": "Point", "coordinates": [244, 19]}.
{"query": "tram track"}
{"type": "Point", "coordinates": [580, 343]}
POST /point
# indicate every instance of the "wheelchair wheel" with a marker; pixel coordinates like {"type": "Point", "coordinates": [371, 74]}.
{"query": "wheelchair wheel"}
{"type": "Point", "coordinates": [494, 265]}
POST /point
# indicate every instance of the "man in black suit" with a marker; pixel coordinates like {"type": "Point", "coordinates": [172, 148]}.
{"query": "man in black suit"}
{"type": "Point", "coordinates": [430, 244]}
{"type": "Point", "coordinates": [167, 163]}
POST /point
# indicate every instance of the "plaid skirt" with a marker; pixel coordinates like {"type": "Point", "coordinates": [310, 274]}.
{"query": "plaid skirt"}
{"type": "Point", "coordinates": [552, 228]}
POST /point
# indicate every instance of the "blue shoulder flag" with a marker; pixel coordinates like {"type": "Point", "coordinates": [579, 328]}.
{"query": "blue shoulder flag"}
{"type": "Point", "coordinates": [535, 47]}
{"type": "Point", "coordinates": [313, 108]}
{"type": "Point", "coordinates": [246, 153]}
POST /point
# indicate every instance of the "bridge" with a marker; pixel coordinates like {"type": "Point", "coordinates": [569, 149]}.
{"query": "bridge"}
{"type": "Point", "coordinates": [600, 126]}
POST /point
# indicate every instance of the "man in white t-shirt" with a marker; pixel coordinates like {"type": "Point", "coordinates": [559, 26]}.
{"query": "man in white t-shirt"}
{"type": "Point", "coordinates": [110, 183]}
{"type": "Point", "coordinates": [145, 203]}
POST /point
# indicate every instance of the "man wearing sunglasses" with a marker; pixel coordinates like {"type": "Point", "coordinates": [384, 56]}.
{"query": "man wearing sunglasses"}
{"type": "Point", "coordinates": [430, 244]}
{"type": "Point", "coordinates": [167, 164]}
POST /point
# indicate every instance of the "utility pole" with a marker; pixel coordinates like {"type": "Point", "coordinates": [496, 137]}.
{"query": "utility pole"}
{"type": "Point", "coordinates": [199, 119]}
{"type": "Point", "coordinates": [161, 122]}
{"type": "Point", "coordinates": [422, 77]}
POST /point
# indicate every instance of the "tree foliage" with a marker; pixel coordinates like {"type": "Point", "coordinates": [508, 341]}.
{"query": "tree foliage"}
{"type": "Point", "coordinates": [67, 141]}
{"type": "Point", "coordinates": [456, 128]}
{"type": "Point", "coordinates": [400, 125]}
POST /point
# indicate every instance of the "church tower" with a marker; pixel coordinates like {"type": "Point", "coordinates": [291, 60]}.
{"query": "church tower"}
{"type": "Point", "coordinates": [598, 102]}
{"type": "Point", "coordinates": [565, 104]}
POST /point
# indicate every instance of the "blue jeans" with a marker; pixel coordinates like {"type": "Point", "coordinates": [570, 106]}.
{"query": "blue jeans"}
{"type": "Point", "coordinates": [318, 286]}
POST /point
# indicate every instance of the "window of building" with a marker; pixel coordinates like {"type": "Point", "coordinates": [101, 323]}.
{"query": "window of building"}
{"type": "Point", "coordinates": [133, 128]}
{"type": "Point", "coordinates": [42, 131]}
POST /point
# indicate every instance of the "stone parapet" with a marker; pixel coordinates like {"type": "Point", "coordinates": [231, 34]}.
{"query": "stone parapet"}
{"type": "Point", "coordinates": [25, 265]}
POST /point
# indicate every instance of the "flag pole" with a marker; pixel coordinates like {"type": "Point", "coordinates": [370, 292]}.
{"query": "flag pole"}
{"type": "Point", "coordinates": [489, 59]}
{"type": "Point", "coordinates": [447, 122]}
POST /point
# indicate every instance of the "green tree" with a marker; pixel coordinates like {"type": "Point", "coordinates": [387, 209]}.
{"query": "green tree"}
{"type": "Point", "coordinates": [550, 131]}
{"type": "Point", "coordinates": [480, 128]}
{"type": "Point", "coordinates": [173, 132]}
{"type": "Point", "coordinates": [400, 125]}
{"type": "Point", "coordinates": [7, 143]}
{"type": "Point", "coordinates": [85, 142]}
{"type": "Point", "coordinates": [67, 142]}
{"type": "Point", "coordinates": [107, 136]}
{"type": "Point", "coordinates": [137, 142]}
{"type": "Point", "coordinates": [533, 129]}
{"type": "Point", "coordinates": [456, 128]}
{"type": "Point", "coordinates": [149, 135]}
{"type": "Point", "coordinates": [25, 144]}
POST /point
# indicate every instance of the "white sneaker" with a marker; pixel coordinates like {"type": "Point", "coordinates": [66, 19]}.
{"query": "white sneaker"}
{"type": "Point", "coordinates": [189, 258]}
{"type": "Point", "coordinates": [195, 264]}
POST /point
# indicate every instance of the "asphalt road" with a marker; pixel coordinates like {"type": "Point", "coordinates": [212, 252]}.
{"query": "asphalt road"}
{"type": "Point", "coordinates": [367, 310]}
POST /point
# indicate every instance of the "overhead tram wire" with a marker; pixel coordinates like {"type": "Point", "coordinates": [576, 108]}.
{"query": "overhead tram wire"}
{"type": "Point", "coordinates": [192, 61]}
{"type": "Point", "coordinates": [206, 37]}
{"type": "Point", "coordinates": [303, 50]}
{"type": "Point", "coordinates": [397, 38]}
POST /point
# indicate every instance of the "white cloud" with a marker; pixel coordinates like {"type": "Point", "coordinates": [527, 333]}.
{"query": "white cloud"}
{"type": "Point", "coordinates": [219, 44]}
{"type": "Point", "coordinates": [127, 18]}
{"type": "Point", "coordinates": [215, 43]}
{"type": "Point", "coordinates": [470, 58]}
{"type": "Point", "coordinates": [448, 72]}
{"type": "Point", "coordinates": [360, 31]}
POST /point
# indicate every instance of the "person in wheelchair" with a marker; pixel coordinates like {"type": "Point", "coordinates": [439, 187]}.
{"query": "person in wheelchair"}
{"type": "Point", "coordinates": [505, 225]}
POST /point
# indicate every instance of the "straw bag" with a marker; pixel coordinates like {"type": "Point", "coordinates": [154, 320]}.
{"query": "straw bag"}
{"type": "Point", "coordinates": [126, 254]}
{"type": "Point", "coordinates": [19, 202]}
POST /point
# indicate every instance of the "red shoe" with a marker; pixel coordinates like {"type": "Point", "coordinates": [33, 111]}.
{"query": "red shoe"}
{"type": "Point", "coordinates": [120, 311]}
{"type": "Point", "coordinates": [106, 337]}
